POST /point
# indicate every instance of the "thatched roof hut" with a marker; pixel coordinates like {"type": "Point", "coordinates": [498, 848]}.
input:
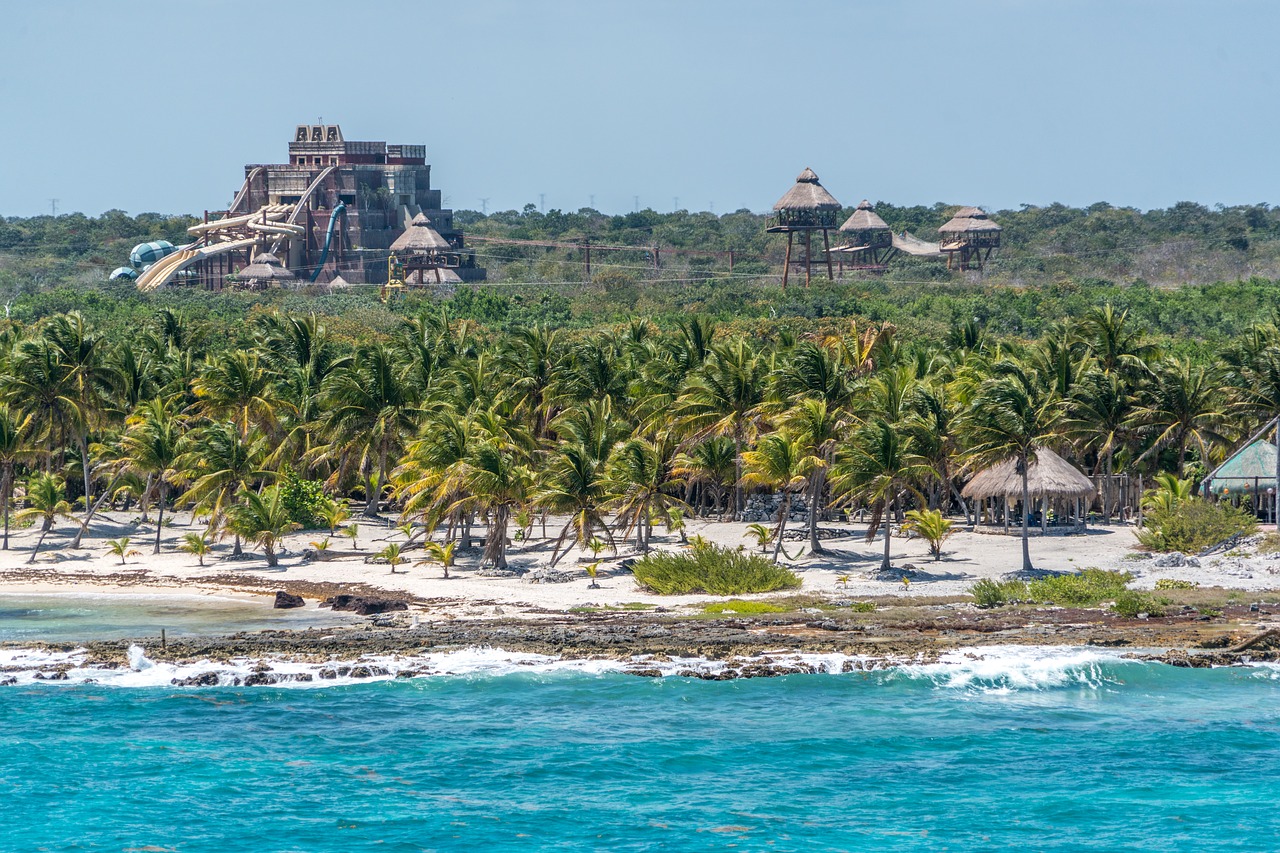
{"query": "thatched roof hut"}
{"type": "Point", "coordinates": [807, 195]}
{"type": "Point", "coordinates": [864, 218]}
{"type": "Point", "coordinates": [420, 237]}
{"type": "Point", "coordinates": [1048, 476]}
{"type": "Point", "coordinates": [266, 268]}
{"type": "Point", "coordinates": [969, 220]}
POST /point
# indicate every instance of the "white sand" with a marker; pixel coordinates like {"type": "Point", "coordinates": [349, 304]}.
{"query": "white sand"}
{"type": "Point", "coordinates": [968, 556]}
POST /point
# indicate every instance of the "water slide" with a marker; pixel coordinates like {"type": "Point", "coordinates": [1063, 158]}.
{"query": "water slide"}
{"type": "Point", "coordinates": [163, 270]}
{"type": "Point", "coordinates": [244, 190]}
{"type": "Point", "coordinates": [328, 238]}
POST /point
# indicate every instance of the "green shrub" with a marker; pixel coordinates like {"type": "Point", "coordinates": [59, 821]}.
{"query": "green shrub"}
{"type": "Point", "coordinates": [737, 605]}
{"type": "Point", "coordinates": [303, 499]}
{"type": "Point", "coordinates": [864, 607]}
{"type": "Point", "coordinates": [711, 569]}
{"type": "Point", "coordinates": [1090, 587]}
{"type": "Point", "coordinates": [1170, 583]}
{"type": "Point", "coordinates": [1130, 603]}
{"type": "Point", "coordinates": [1192, 525]}
{"type": "Point", "coordinates": [989, 593]}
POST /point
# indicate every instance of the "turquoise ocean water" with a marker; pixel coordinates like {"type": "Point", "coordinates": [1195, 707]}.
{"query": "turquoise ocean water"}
{"type": "Point", "coordinates": [1045, 749]}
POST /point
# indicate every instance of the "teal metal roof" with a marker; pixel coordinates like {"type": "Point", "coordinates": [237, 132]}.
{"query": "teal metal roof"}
{"type": "Point", "coordinates": [1254, 462]}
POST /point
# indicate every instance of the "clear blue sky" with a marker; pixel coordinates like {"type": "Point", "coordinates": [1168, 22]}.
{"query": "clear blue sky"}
{"type": "Point", "coordinates": [157, 106]}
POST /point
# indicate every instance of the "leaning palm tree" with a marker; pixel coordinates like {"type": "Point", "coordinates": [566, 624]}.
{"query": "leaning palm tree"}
{"type": "Point", "coordinates": [783, 464]}
{"type": "Point", "coordinates": [1015, 412]}
{"type": "Point", "coordinates": [196, 544]}
{"type": "Point", "coordinates": [13, 448]}
{"type": "Point", "coordinates": [151, 446]}
{"type": "Point", "coordinates": [216, 463]}
{"type": "Point", "coordinates": [573, 485]}
{"type": "Point", "coordinates": [496, 481]}
{"type": "Point", "coordinates": [46, 500]}
{"type": "Point", "coordinates": [818, 426]}
{"type": "Point", "coordinates": [878, 464]}
{"type": "Point", "coordinates": [262, 519]}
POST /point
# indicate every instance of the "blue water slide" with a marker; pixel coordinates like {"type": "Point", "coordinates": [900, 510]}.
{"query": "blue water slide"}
{"type": "Point", "coordinates": [328, 238]}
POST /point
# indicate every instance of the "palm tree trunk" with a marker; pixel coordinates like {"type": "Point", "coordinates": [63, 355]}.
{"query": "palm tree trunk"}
{"type": "Point", "coordinates": [39, 542]}
{"type": "Point", "coordinates": [815, 495]}
{"type": "Point", "coordinates": [146, 508]}
{"type": "Point", "coordinates": [1026, 502]}
{"type": "Point", "coordinates": [83, 440]}
{"type": "Point", "coordinates": [375, 487]}
{"type": "Point", "coordinates": [160, 516]}
{"type": "Point", "coordinates": [273, 561]}
{"type": "Point", "coordinates": [495, 546]}
{"type": "Point", "coordinates": [783, 512]}
{"type": "Point", "coordinates": [737, 476]}
{"type": "Point", "coordinates": [888, 530]}
{"type": "Point", "coordinates": [6, 493]}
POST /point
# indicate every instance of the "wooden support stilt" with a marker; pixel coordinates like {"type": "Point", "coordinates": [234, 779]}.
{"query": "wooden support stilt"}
{"type": "Point", "coordinates": [786, 265]}
{"type": "Point", "coordinates": [808, 258]}
{"type": "Point", "coordinates": [826, 243]}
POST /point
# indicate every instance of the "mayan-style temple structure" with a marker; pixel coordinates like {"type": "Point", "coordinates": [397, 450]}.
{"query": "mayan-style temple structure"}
{"type": "Point", "coordinates": [333, 210]}
{"type": "Point", "coordinates": [969, 238]}
{"type": "Point", "coordinates": [805, 208]}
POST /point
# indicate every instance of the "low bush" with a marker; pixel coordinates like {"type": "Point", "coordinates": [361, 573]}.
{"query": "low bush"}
{"type": "Point", "coordinates": [303, 499]}
{"type": "Point", "coordinates": [1132, 603]}
{"type": "Point", "coordinates": [711, 569]}
{"type": "Point", "coordinates": [864, 607]}
{"type": "Point", "coordinates": [1171, 583]}
{"type": "Point", "coordinates": [737, 605]}
{"type": "Point", "coordinates": [1090, 587]}
{"type": "Point", "coordinates": [1194, 524]}
{"type": "Point", "coordinates": [989, 593]}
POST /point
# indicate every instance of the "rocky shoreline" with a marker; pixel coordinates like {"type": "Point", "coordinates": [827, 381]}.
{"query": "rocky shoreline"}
{"type": "Point", "coordinates": [741, 647]}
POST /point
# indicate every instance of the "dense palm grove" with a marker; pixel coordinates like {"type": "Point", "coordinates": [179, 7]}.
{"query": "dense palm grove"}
{"type": "Point", "coordinates": [606, 434]}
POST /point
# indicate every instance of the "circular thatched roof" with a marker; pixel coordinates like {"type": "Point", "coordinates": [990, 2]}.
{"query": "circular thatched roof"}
{"type": "Point", "coordinates": [266, 267]}
{"type": "Point", "coordinates": [968, 220]}
{"type": "Point", "coordinates": [807, 194]}
{"type": "Point", "coordinates": [865, 218]}
{"type": "Point", "coordinates": [420, 237]}
{"type": "Point", "coordinates": [1049, 474]}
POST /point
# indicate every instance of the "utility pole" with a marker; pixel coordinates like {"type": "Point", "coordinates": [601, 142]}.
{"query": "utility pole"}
{"type": "Point", "coordinates": [675, 203]}
{"type": "Point", "coordinates": [484, 206]}
{"type": "Point", "coordinates": [542, 202]}
{"type": "Point", "coordinates": [592, 201]}
{"type": "Point", "coordinates": [53, 207]}
{"type": "Point", "coordinates": [637, 204]}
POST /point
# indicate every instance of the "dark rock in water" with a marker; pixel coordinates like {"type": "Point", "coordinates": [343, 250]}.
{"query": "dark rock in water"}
{"type": "Point", "coordinates": [367, 671]}
{"type": "Point", "coordinates": [259, 678]}
{"type": "Point", "coordinates": [204, 679]}
{"type": "Point", "coordinates": [56, 676]}
{"type": "Point", "coordinates": [646, 673]}
{"type": "Point", "coordinates": [8, 682]}
{"type": "Point", "coordinates": [364, 606]}
{"type": "Point", "coordinates": [286, 600]}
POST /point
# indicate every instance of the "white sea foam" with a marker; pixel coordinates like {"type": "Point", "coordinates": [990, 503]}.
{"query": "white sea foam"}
{"type": "Point", "coordinates": [990, 670]}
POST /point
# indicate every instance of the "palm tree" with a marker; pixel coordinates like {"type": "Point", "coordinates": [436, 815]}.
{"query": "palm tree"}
{"type": "Point", "coordinates": [723, 399]}
{"type": "Point", "coordinates": [196, 544]}
{"type": "Point", "coordinates": [262, 519]}
{"type": "Point", "coordinates": [818, 426]}
{"type": "Point", "coordinates": [709, 466]}
{"type": "Point", "coordinates": [573, 485]}
{"type": "Point", "coordinates": [878, 464]}
{"type": "Point", "coordinates": [636, 480]}
{"type": "Point", "coordinates": [151, 446]}
{"type": "Point", "coordinates": [236, 385]}
{"type": "Point", "coordinates": [496, 482]}
{"type": "Point", "coordinates": [1015, 413]}
{"type": "Point", "coordinates": [13, 448]}
{"type": "Point", "coordinates": [369, 410]}
{"type": "Point", "coordinates": [46, 500]}
{"type": "Point", "coordinates": [1182, 404]}
{"type": "Point", "coordinates": [438, 552]}
{"type": "Point", "coordinates": [392, 555]}
{"type": "Point", "coordinates": [216, 463]}
{"type": "Point", "coordinates": [780, 463]}
{"type": "Point", "coordinates": [120, 548]}
{"type": "Point", "coordinates": [333, 513]}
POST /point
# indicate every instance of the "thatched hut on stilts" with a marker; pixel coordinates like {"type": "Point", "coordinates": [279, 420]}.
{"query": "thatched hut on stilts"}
{"type": "Point", "coordinates": [805, 208]}
{"type": "Point", "coordinates": [1059, 496]}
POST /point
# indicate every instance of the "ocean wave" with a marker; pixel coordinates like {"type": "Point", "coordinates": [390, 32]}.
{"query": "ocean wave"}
{"type": "Point", "coordinates": [988, 670]}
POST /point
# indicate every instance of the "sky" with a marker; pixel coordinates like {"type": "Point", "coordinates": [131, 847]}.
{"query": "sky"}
{"type": "Point", "coordinates": [695, 104]}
